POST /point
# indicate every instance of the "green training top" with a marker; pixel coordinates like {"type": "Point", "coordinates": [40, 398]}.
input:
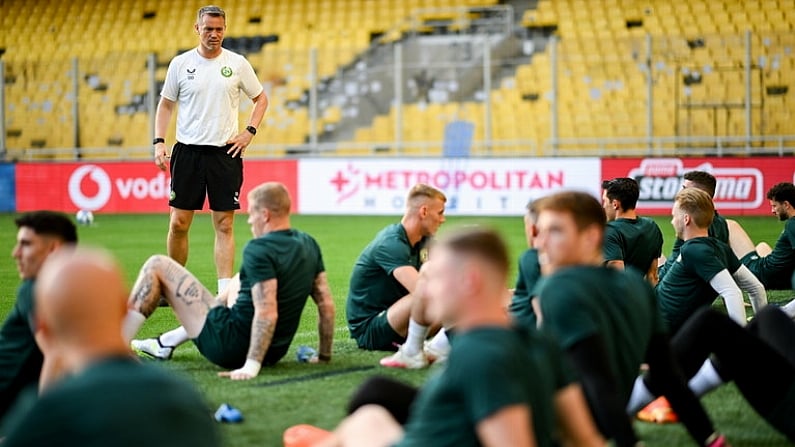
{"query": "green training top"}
{"type": "Point", "coordinates": [584, 301]}
{"type": "Point", "coordinates": [120, 402]}
{"type": "Point", "coordinates": [718, 229]}
{"type": "Point", "coordinates": [489, 368]}
{"type": "Point", "coordinates": [373, 288]}
{"type": "Point", "coordinates": [294, 259]}
{"type": "Point", "coordinates": [637, 242]}
{"type": "Point", "coordinates": [521, 307]}
{"type": "Point", "coordinates": [20, 357]}
{"type": "Point", "coordinates": [775, 269]}
{"type": "Point", "coordinates": [686, 286]}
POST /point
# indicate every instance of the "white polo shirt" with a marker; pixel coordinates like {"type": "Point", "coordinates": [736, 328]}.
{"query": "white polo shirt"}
{"type": "Point", "coordinates": [207, 93]}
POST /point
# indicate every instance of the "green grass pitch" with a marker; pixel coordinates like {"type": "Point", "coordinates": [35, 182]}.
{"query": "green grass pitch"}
{"type": "Point", "coordinates": [291, 392]}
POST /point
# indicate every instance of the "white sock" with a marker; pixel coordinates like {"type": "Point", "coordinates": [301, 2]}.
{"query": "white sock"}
{"type": "Point", "coordinates": [789, 308]}
{"type": "Point", "coordinates": [222, 283]}
{"type": "Point", "coordinates": [641, 396]}
{"type": "Point", "coordinates": [174, 337]}
{"type": "Point", "coordinates": [415, 338]}
{"type": "Point", "coordinates": [439, 342]}
{"type": "Point", "coordinates": [131, 324]}
{"type": "Point", "coordinates": [705, 380]}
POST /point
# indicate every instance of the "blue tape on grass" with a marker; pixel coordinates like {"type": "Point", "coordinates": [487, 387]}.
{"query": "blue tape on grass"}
{"type": "Point", "coordinates": [318, 375]}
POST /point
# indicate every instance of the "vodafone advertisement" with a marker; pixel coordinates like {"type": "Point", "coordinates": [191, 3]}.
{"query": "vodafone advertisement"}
{"type": "Point", "coordinates": [379, 185]}
{"type": "Point", "coordinates": [742, 183]}
{"type": "Point", "coordinates": [121, 187]}
{"type": "Point", "coordinates": [472, 186]}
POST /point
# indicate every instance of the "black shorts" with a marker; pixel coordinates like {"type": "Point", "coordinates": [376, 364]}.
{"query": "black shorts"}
{"type": "Point", "coordinates": [199, 171]}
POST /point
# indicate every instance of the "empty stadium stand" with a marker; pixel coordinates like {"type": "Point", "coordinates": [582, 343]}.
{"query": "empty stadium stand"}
{"type": "Point", "coordinates": [697, 70]}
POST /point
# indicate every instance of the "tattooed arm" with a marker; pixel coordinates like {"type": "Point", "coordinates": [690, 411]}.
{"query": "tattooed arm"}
{"type": "Point", "coordinates": [266, 314]}
{"type": "Point", "coordinates": [321, 295]}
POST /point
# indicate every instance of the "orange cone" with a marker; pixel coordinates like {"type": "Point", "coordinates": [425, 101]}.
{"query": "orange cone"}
{"type": "Point", "coordinates": [659, 412]}
{"type": "Point", "coordinates": [304, 435]}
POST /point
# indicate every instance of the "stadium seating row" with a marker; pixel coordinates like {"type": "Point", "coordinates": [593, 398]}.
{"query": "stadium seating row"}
{"type": "Point", "coordinates": [110, 41]}
{"type": "Point", "coordinates": [602, 76]}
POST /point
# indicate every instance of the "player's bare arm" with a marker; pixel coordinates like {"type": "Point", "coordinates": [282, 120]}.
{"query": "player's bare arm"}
{"type": "Point", "coordinates": [652, 276]}
{"type": "Point", "coordinates": [243, 139]}
{"type": "Point", "coordinates": [407, 276]}
{"type": "Point", "coordinates": [508, 426]}
{"type": "Point", "coordinates": [574, 421]}
{"type": "Point", "coordinates": [321, 295]}
{"type": "Point", "coordinates": [266, 313]}
{"type": "Point", "coordinates": [165, 108]}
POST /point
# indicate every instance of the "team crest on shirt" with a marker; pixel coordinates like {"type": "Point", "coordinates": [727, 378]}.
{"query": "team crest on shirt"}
{"type": "Point", "coordinates": [226, 71]}
{"type": "Point", "coordinates": [191, 73]}
{"type": "Point", "coordinates": [423, 255]}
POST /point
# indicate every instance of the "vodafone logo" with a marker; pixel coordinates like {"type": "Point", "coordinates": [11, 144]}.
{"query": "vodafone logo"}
{"type": "Point", "coordinates": [103, 187]}
{"type": "Point", "coordinates": [92, 188]}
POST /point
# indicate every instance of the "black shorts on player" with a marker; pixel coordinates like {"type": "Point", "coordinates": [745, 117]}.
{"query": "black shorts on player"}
{"type": "Point", "coordinates": [197, 171]}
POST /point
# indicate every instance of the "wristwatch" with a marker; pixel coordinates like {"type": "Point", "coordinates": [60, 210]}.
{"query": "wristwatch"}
{"type": "Point", "coordinates": [252, 130]}
{"type": "Point", "coordinates": [158, 140]}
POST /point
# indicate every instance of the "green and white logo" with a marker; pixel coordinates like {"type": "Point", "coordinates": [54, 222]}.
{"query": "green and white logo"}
{"type": "Point", "coordinates": [226, 71]}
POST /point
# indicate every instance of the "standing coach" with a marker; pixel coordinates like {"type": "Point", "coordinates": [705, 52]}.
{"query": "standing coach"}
{"type": "Point", "coordinates": [206, 83]}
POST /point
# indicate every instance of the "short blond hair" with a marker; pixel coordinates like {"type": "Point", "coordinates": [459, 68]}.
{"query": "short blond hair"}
{"type": "Point", "coordinates": [272, 196]}
{"type": "Point", "coordinates": [422, 191]}
{"type": "Point", "coordinates": [697, 203]}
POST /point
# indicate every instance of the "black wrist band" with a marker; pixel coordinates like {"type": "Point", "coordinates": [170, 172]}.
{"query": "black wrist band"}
{"type": "Point", "coordinates": [158, 140]}
{"type": "Point", "coordinates": [252, 130]}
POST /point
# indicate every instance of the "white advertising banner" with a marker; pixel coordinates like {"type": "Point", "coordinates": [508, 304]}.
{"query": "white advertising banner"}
{"type": "Point", "coordinates": [473, 186]}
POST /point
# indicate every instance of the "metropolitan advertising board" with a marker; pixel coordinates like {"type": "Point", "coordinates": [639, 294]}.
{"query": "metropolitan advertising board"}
{"type": "Point", "coordinates": [742, 183]}
{"type": "Point", "coordinates": [473, 186]}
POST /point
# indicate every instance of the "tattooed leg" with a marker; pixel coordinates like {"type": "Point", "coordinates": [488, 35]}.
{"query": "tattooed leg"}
{"type": "Point", "coordinates": [162, 276]}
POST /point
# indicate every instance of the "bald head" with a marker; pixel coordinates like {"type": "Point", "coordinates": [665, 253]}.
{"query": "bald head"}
{"type": "Point", "coordinates": [81, 299]}
{"type": "Point", "coordinates": [272, 196]}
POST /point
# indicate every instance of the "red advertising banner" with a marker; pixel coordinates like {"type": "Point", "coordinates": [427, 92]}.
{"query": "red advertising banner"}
{"type": "Point", "coordinates": [742, 183]}
{"type": "Point", "coordinates": [123, 187]}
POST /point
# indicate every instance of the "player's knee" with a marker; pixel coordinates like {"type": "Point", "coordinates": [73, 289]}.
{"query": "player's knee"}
{"type": "Point", "coordinates": [763, 249]}
{"type": "Point", "coordinates": [178, 225]}
{"type": "Point", "coordinates": [156, 261]}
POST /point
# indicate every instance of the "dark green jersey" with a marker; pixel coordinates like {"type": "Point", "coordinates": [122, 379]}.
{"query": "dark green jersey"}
{"type": "Point", "coordinates": [489, 369]}
{"type": "Point", "coordinates": [637, 242]}
{"type": "Point", "coordinates": [718, 229]}
{"type": "Point", "coordinates": [373, 287]}
{"type": "Point", "coordinates": [521, 304]}
{"type": "Point", "coordinates": [294, 259]}
{"type": "Point", "coordinates": [20, 357]}
{"type": "Point", "coordinates": [686, 286]}
{"type": "Point", "coordinates": [775, 269]}
{"type": "Point", "coordinates": [584, 301]}
{"type": "Point", "coordinates": [118, 402]}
